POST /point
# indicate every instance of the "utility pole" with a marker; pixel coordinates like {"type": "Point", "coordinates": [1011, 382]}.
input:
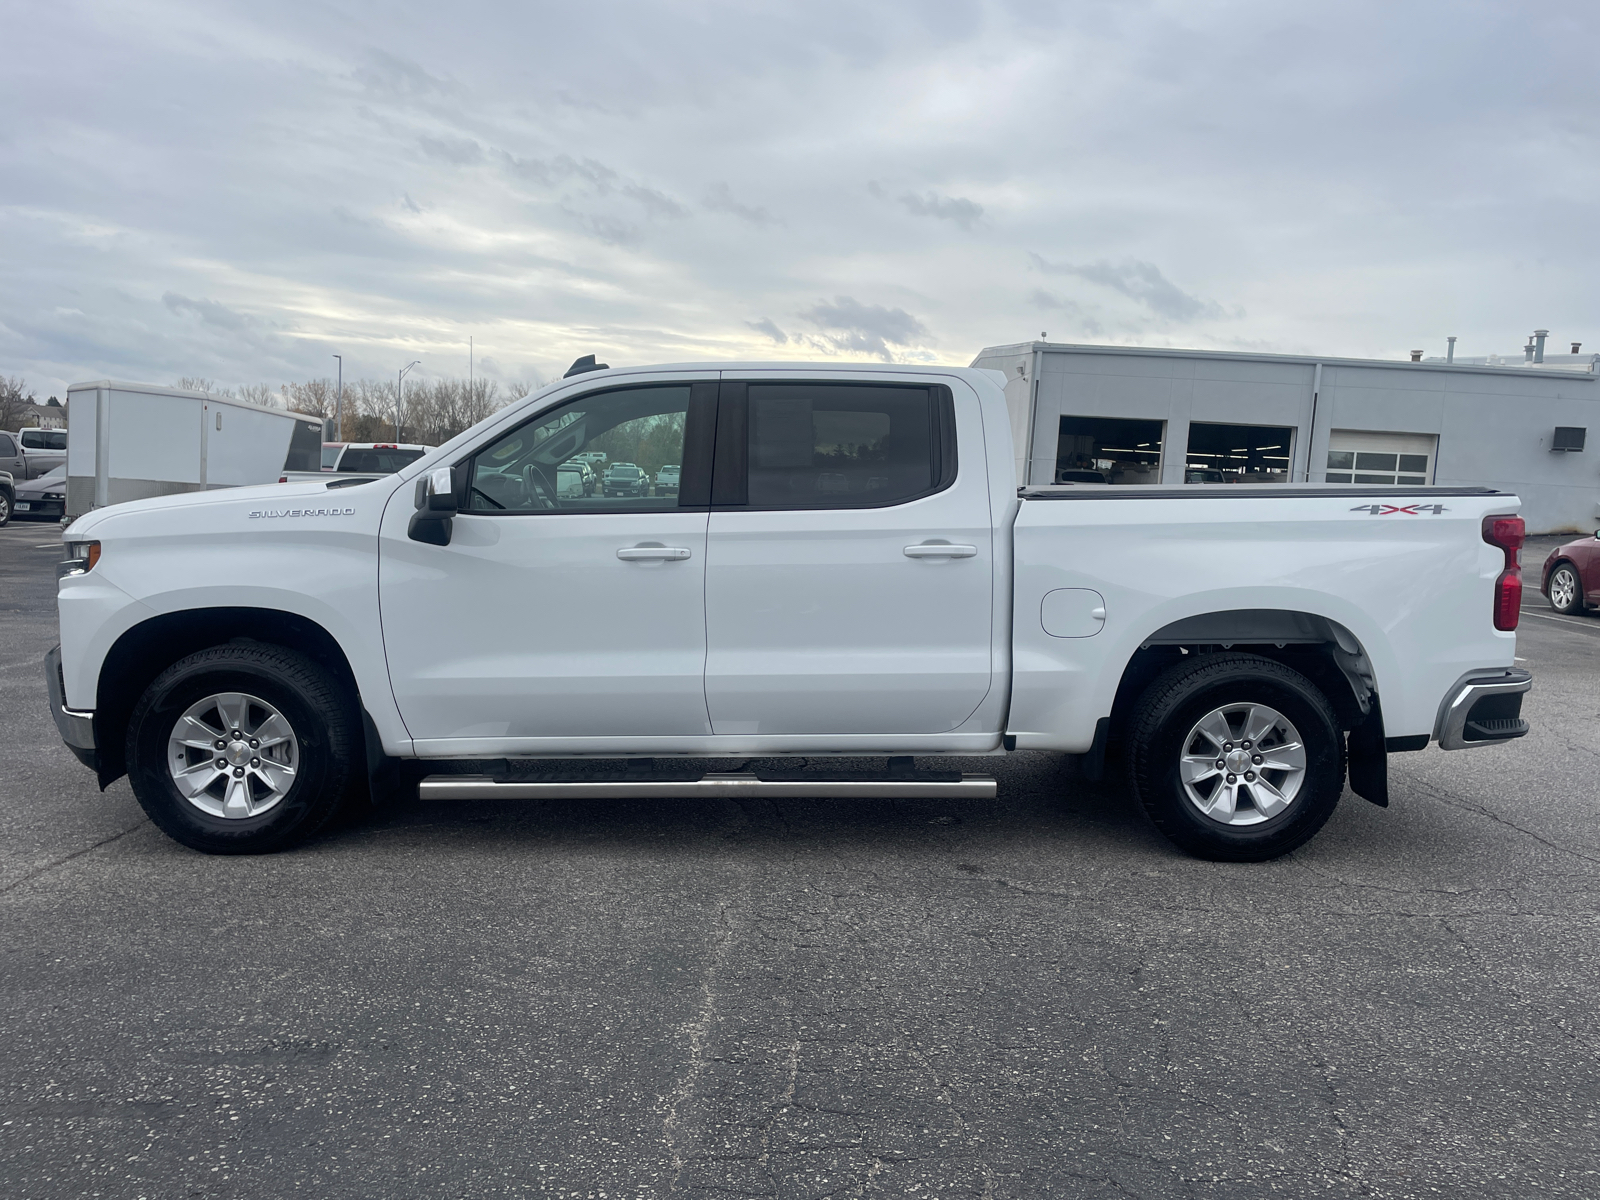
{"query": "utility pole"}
{"type": "Point", "coordinates": [338, 404]}
{"type": "Point", "coordinates": [469, 366]}
{"type": "Point", "coordinates": [399, 396]}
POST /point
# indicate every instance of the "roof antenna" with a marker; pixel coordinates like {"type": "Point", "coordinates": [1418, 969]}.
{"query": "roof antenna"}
{"type": "Point", "coordinates": [586, 363]}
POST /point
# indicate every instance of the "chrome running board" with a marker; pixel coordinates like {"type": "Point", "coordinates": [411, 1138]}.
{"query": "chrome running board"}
{"type": "Point", "coordinates": [485, 787]}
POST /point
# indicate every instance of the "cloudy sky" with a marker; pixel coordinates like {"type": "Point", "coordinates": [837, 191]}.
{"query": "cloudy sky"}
{"type": "Point", "coordinates": [239, 191]}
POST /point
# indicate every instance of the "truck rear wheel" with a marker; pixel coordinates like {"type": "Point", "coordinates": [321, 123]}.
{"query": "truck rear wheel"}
{"type": "Point", "coordinates": [242, 749]}
{"type": "Point", "coordinates": [1236, 758]}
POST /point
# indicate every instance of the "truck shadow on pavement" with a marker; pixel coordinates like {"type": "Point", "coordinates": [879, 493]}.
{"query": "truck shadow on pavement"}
{"type": "Point", "coordinates": [1042, 798]}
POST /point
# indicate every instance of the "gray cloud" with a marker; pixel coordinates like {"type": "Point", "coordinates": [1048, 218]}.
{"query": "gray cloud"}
{"type": "Point", "coordinates": [209, 311]}
{"type": "Point", "coordinates": [395, 77]}
{"type": "Point", "coordinates": [849, 325]}
{"type": "Point", "coordinates": [965, 213]}
{"type": "Point", "coordinates": [1141, 281]}
{"type": "Point", "coordinates": [654, 202]}
{"type": "Point", "coordinates": [1079, 316]}
{"type": "Point", "coordinates": [767, 326]}
{"type": "Point", "coordinates": [611, 230]}
{"type": "Point", "coordinates": [458, 150]}
{"type": "Point", "coordinates": [563, 168]}
{"type": "Point", "coordinates": [719, 198]}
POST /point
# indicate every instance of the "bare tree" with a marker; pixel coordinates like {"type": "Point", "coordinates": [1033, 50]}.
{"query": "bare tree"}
{"type": "Point", "coordinates": [436, 410]}
{"type": "Point", "coordinates": [16, 398]}
{"type": "Point", "coordinates": [196, 383]}
{"type": "Point", "coordinates": [314, 396]}
{"type": "Point", "coordinates": [257, 393]}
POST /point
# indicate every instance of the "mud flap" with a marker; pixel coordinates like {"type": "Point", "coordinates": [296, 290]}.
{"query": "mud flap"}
{"type": "Point", "coordinates": [1369, 758]}
{"type": "Point", "coordinates": [386, 777]}
{"type": "Point", "coordinates": [1094, 762]}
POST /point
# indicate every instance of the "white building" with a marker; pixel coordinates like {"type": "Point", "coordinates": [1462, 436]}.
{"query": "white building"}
{"type": "Point", "coordinates": [50, 415]}
{"type": "Point", "coordinates": [1135, 415]}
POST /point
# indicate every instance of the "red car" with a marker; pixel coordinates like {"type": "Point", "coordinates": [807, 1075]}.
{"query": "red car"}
{"type": "Point", "coordinates": [1571, 579]}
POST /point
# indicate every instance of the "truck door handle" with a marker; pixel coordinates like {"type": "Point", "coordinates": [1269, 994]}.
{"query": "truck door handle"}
{"type": "Point", "coordinates": [940, 550]}
{"type": "Point", "coordinates": [634, 553]}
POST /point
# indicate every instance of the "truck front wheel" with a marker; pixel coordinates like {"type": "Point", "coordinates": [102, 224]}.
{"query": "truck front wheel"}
{"type": "Point", "coordinates": [242, 749]}
{"type": "Point", "coordinates": [1236, 758]}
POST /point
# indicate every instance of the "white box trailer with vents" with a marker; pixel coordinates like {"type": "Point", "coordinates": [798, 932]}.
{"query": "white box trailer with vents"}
{"type": "Point", "coordinates": [128, 441]}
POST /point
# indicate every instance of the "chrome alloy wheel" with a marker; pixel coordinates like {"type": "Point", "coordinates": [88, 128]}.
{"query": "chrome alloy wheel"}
{"type": "Point", "coordinates": [233, 756]}
{"type": "Point", "coordinates": [1242, 764]}
{"type": "Point", "coordinates": [1563, 588]}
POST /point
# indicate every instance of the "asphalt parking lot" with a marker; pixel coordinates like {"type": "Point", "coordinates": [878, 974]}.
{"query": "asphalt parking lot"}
{"type": "Point", "coordinates": [1032, 998]}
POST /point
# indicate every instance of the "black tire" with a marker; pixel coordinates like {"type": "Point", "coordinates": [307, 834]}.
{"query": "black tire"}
{"type": "Point", "coordinates": [1159, 730]}
{"type": "Point", "coordinates": [1575, 604]}
{"type": "Point", "coordinates": [5, 508]}
{"type": "Point", "coordinates": [320, 712]}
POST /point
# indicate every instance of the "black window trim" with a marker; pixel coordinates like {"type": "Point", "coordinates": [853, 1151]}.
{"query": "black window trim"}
{"type": "Point", "coordinates": [699, 433]}
{"type": "Point", "coordinates": [730, 474]}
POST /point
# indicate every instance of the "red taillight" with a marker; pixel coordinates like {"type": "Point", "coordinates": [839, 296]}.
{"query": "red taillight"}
{"type": "Point", "coordinates": [1508, 533]}
{"type": "Point", "coordinates": [1507, 599]}
{"type": "Point", "coordinates": [283, 479]}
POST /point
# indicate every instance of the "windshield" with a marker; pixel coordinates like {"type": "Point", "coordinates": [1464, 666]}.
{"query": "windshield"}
{"type": "Point", "coordinates": [379, 462]}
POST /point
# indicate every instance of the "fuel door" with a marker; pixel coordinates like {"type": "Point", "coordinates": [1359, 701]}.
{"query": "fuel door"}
{"type": "Point", "coordinates": [1072, 612]}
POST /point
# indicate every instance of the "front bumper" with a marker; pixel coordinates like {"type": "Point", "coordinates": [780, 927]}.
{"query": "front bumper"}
{"type": "Point", "coordinates": [76, 728]}
{"type": "Point", "coordinates": [38, 508]}
{"type": "Point", "coordinates": [1484, 708]}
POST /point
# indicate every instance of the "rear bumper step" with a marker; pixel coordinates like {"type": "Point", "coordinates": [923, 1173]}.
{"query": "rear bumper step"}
{"type": "Point", "coordinates": [479, 787]}
{"type": "Point", "coordinates": [1484, 709]}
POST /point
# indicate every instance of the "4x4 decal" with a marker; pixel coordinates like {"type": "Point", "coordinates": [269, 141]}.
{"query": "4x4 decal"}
{"type": "Point", "coordinates": [1410, 510]}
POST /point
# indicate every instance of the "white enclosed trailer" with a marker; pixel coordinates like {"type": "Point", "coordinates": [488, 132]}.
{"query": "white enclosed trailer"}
{"type": "Point", "coordinates": [128, 441]}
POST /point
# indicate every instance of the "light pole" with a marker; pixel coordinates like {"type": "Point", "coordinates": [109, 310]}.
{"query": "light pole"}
{"type": "Point", "coordinates": [399, 395]}
{"type": "Point", "coordinates": [338, 404]}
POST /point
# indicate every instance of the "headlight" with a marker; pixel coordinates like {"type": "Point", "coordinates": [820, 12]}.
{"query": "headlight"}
{"type": "Point", "coordinates": [81, 557]}
{"type": "Point", "coordinates": [55, 495]}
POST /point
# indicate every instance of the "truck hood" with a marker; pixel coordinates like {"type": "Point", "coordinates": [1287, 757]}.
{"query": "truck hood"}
{"type": "Point", "coordinates": [273, 499]}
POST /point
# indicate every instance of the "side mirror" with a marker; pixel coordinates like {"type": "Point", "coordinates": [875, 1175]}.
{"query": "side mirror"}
{"type": "Point", "coordinates": [436, 507]}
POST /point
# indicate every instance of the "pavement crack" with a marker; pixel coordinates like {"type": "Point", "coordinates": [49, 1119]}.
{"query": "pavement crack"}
{"type": "Point", "coordinates": [784, 1103]}
{"type": "Point", "coordinates": [697, 1031]}
{"type": "Point", "coordinates": [66, 858]}
{"type": "Point", "coordinates": [1479, 810]}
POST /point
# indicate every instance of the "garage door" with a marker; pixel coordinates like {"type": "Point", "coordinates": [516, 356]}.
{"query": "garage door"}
{"type": "Point", "coordinates": [1369, 456]}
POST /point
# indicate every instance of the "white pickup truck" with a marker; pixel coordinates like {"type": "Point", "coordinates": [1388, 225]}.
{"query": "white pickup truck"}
{"type": "Point", "coordinates": [848, 573]}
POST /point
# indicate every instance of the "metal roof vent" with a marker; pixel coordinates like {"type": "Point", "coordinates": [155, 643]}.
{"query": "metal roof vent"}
{"type": "Point", "coordinates": [586, 363]}
{"type": "Point", "coordinates": [1576, 346]}
{"type": "Point", "coordinates": [1416, 356]}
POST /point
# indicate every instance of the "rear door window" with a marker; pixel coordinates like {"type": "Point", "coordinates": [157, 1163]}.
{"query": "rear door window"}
{"type": "Point", "coordinates": [825, 445]}
{"type": "Point", "coordinates": [8, 448]}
